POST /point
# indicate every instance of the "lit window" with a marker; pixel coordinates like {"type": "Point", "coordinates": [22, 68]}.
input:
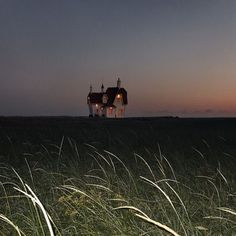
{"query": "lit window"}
{"type": "Point", "coordinates": [110, 111]}
{"type": "Point", "coordinates": [118, 96]}
{"type": "Point", "coordinates": [96, 105]}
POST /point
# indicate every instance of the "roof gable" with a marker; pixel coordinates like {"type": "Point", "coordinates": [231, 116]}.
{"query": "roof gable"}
{"type": "Point", "coordinates": [95, 97]}
{"type": "Point", "coordinates": [113, 91]}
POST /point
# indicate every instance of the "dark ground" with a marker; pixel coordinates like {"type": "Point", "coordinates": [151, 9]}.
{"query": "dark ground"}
{"type": "Point", "coordinates": [184, 136]}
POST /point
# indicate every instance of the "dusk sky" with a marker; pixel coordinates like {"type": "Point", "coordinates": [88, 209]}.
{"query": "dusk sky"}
{"type": "Point", "coordinates": [174, 57]}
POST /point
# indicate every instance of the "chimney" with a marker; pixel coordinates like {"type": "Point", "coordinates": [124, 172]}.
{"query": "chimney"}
{"type": "Point", "coordinates": [118, 83]}
{"type": "Point", "coordinates": [102, 88]}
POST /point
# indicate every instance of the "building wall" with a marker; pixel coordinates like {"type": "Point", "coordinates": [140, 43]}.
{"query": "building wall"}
{"type": "Point", "coordinates": [120, 108]}
{"type": "Point", "coordinates": [97, 111]}
{"type": "Point", "coordinates": [90, 109]}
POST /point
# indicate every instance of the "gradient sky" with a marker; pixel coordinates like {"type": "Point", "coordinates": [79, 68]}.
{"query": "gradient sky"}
{"type": "Point", "coordinates": [174, 57]}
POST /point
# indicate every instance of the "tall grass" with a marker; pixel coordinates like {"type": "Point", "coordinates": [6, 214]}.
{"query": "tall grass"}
{"type": "Point", "coordinates": [110, 199]}
{"type": "Point", "coordinates": [89, 188]}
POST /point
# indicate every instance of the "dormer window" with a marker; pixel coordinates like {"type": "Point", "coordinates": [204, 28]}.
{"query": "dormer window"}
{"type": "Point", "coordinates": [104, 99]}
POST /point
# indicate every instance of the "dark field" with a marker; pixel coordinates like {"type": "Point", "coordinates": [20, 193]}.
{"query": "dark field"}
{"type": "Point", "coordinates": [135, 176]}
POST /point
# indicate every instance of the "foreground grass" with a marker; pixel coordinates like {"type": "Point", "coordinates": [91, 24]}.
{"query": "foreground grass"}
{"type": "Point", "coordinates": [68, 188]}
{"type": "Point", "coordinates": [109, 198]}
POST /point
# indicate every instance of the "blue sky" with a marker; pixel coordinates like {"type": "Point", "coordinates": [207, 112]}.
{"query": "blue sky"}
{"type": "Point", "coordinates": [173, 57]}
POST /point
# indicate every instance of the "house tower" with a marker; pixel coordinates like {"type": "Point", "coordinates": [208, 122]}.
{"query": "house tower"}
{"type": "Point", "coordinates": [118, 83]}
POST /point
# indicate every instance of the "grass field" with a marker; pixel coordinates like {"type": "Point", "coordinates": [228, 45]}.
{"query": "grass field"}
{"type": "Point", "coordinates": [139, 176]}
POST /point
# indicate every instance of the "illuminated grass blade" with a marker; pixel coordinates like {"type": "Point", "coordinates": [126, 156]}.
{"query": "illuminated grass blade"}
{"type": "Point", "coordinates": [228, 210]}
{"type": "Point", "coordinates": [32, 196]}
{"type": "Point", "coordinates": [144, 217]}
{"type": "Point", "coordinates": [8, 221]}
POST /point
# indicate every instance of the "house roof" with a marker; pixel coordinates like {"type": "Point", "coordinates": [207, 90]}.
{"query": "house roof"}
{"type": "Point", "coordinates": [95, 97]}
{"type": "Point", "coordinates": [111, 94]}
{"type": "Point", "coordinates": [113, 91]}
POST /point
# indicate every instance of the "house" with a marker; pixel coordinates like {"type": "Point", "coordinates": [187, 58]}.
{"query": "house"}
{"type": "Point", "coordinates": [110, 103]}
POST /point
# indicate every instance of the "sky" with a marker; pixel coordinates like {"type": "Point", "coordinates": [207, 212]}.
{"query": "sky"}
{"type": "Point", "coordinates": [174, 57]}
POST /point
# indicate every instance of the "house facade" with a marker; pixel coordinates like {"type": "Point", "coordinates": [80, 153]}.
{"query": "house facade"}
{"type": "Point", "coordinates": [110, 103]}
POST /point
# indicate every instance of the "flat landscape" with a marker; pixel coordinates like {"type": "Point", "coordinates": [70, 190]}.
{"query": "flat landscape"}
{"type": "Point", "coordinates": [133, 176]}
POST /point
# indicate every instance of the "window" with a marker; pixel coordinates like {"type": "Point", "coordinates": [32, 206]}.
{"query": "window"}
{"type": "Point", "coordinates": [110, 111]}
{"type": "Point", "coordinates": [104, 98]}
